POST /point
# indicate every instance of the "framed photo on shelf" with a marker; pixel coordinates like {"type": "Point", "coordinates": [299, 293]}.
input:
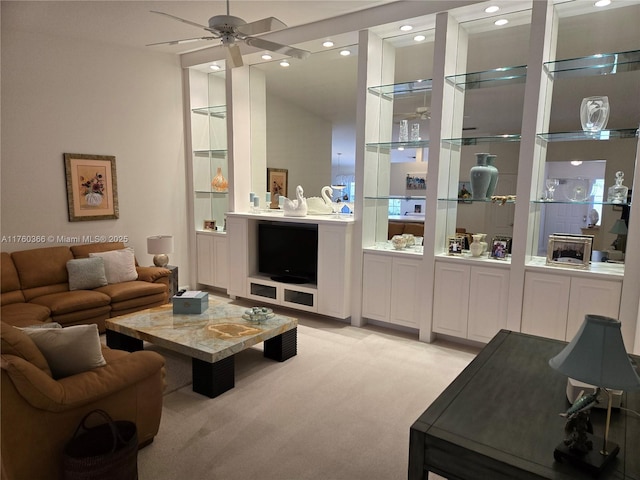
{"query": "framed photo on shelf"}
{"type": "Point", "coordinates": [455, 244]}
{"type": "Point", "coordinates": [277, 183]}
{"type": "Point", "coordinates": [464, 194]}
{"type": "Point", "coordinates": [92, 189]}
{"type": "Point", "coordinates": [569, 251]}
{"type": "Point", "coordinates": [592, 237]}
{"type": "Point", "coordinates": [500, 247]}
{"type": "Point", "coordinates": [209, 225]}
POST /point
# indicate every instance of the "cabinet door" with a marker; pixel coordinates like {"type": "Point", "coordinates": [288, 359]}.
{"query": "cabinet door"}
{"type": "Point", "coordinates": [488, 295]}
{"type": "Point", "coordinates": [598, 297]}
{"type": "Point", "coordinates": [220, 261]}
{"type": "Point", "coordinates": [205, 259]}
{"type": "Point", "coordinates": [405, 293]}
{"type": "Point", "coordinates": [451, 299]}
{"type": "Point", "coordinates": [545, 305]}
{"type": "Point", "coordinates": [376, 287]}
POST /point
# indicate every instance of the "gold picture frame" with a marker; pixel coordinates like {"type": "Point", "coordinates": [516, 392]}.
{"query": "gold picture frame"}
{"type": "Point", "coordinates": [92, 189]}
{"type": "Point", "coordinates": [277, 179]}
{"type": "Point", "coordinates": [572, 251]}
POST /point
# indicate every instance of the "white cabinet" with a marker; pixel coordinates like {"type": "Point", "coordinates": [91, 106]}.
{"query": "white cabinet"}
{"type": "Point", "coordinates": [391, 289]}
{"type": "Point", "coordinates": [554, 305]}
{"type": "Point", "coordinates": [470, 301]}
{"type": "Point", "coordinates": [213, 266]}
{"type": "Point", "coordinates": [334, 269]}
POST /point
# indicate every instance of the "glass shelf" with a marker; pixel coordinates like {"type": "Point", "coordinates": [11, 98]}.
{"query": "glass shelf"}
{"type": "Point", "coordinates": [399, 89]}
{"type": "Point", "coordinates": [600, 64]}
{"type": "Point", "coordinates": [485, 139]}
{"type": "Point", "coordinates": [219, 111]}
{"type": "Point", "coordinates": [210, 153]}
{"type": "Point", "coordinates": [471, 200]}
{"type": "Point", "coordinates": [575, 202]}
{"type": "Point", "coordinates": [399, 145]}
{"type": "Point", "coordinates": [581, 135]}
{"type": "Point", "coordinates": [396, 197]}
{"type": "Point", "coordinates": [489, 78]}
{"type": "Point", "coordinates": [211, 192]}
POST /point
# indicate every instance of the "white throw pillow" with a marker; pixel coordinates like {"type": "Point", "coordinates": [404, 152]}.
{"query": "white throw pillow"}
{"type": "Point", "coordinates": [69, 350]}
{"type": "Point", "coordinates": [119, 265]}
{"type": "Point", "coordinates": [86, 273]}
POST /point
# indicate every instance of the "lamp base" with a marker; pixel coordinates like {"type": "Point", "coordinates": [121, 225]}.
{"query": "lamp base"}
{"type": "Point", "coordinates": [161, 260]}
{"type": "Point", "coordinates": [593, 461]}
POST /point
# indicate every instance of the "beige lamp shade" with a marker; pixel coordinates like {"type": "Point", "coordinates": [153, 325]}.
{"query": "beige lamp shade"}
{"type": "Point", "coordinates": [160, 246]}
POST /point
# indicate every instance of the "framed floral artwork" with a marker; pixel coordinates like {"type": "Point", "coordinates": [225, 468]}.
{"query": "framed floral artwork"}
{"type": "Point", "coordinates": [277, 179]}
{"type": "Point", "coordinates": [92, 191]}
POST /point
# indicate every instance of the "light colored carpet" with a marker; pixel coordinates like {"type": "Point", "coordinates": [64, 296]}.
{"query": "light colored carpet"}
{"type": "Point", "coordinates": [340, 409]}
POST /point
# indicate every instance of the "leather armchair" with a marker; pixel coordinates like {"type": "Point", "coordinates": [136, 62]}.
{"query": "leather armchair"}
{"type": "Point", "coordinates": [40, 414]}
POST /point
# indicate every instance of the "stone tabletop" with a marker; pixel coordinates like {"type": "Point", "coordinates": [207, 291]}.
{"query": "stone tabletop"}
{"type": "Point", "coordinates": [217, 333]}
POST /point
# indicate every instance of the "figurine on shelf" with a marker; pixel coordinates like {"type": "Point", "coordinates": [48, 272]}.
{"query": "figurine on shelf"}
{"type": "Point", "coordinates": [618, 193]}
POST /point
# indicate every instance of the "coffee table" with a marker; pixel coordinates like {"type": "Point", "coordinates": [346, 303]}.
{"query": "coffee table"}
{"type": "Point", "coordinates": [211, 339]}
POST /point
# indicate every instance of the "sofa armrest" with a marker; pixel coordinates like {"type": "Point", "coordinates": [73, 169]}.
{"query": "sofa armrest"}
{"type": "Point", "coordinates": [152, 274]}
{"type": "Point", "coordinates": [45, 393]}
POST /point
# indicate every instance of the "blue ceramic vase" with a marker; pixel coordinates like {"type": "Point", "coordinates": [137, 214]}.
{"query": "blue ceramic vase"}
{"type": "Point", "coordinates": [494, 175]}
{"type": "Point", "coordinates": [480, 177]}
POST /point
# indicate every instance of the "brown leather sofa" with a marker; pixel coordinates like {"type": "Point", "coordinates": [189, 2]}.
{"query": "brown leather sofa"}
{"type": "Point", "coordinates": [399, 227]}
{"type": "Point", "coordinates": [35, 288]}
{"type": "Point", "coordinates": [40, 414]}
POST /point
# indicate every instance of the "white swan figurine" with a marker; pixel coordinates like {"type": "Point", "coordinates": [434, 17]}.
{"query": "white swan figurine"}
{"type": "Point", "coordinates": [295, 208]}
{"type": "Point", "coordinates": [321, 206]}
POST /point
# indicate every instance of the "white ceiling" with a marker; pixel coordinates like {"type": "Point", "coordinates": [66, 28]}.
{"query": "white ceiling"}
{"type": "Point", "coordinates": [130, 23]}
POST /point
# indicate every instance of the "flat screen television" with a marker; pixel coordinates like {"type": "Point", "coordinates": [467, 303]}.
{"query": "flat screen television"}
{"type": "Point", "coordinates": [288, 252]}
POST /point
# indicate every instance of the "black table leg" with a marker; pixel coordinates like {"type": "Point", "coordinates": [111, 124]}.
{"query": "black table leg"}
{"type": "Point", "coordinates": [213, 379]}
{"type": "Point", "coordinates": [119, 341]}
{"type": "Point", "coordinates": [282, 347]}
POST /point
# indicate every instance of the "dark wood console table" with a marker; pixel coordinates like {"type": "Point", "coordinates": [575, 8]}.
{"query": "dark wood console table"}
{"type": "Point", "coordinates": [499, 420]}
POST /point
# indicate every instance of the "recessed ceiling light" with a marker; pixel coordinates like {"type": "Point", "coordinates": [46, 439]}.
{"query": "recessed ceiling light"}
{"type": "Point", "coordinates": [345, 53]}
{"type": "Point", "coordinates": [492, 9]}
{"type": "Point", "coordinates": [602, 3]}
{"type": "Point", "coordinates": [327, 44]}
{"type": "Point", "coordinates": [419, 38]}
{"type": "Point", "coordinates": [214, 67]}
{"type": "Point", "coordinates": [406, 28]}
{"type": "Point", "coordinates": [502, 21]}
{"type": "Point", "coordinates": [284, 63]}
{"type": "Point", "coordinates": [266, 56]}
{"type": "Point", "coordinates": [576, 163]}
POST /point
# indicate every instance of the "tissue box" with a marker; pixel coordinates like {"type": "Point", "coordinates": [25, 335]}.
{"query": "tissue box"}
{"type": "Point", "coordinates": [190, 303]}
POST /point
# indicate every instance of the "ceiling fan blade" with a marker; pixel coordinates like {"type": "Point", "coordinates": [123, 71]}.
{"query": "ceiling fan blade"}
{"type": "Point", "coordinates": [261, 26]}
{"type": "Point", "coordinates": [180, 42]}
{"type": "Point", "coordinates": [234, 57]}
{"type": "Point", "coordinates": [277, 47]}
{"type": "Point", "coordinates": [189, 22]}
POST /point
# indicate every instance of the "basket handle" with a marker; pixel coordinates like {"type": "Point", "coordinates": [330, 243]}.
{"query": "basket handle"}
{"type": "Point", "coordinates": [109, 421]}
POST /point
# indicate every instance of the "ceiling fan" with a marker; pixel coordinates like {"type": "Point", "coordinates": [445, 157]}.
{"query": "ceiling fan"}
{"type": "Point", "coordinates": [229, 30]}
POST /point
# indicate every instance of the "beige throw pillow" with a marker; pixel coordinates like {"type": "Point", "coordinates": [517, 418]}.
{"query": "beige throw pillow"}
{"type": "Point", "coordinates": [119, 265]}
{"type": "Point", "coordinates": [69, 350]}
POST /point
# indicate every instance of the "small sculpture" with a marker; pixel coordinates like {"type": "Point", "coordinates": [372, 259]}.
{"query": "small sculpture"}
{"type": "Point", "coordinates": [618, 193]}
{"type": "Point", "coordinates": [578, 423]}
{"type": "Point", "coordinates": [321, 206]}
{"type": "Point", "coordinates": [295, 208]}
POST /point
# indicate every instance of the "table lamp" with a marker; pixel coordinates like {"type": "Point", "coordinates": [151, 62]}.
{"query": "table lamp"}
{"type": "Point", "coordinates": [620, 229]}
{"type": "Point", "coordinates": [160, 246]}
{"type": "Point", "coordinates": [597, 356]}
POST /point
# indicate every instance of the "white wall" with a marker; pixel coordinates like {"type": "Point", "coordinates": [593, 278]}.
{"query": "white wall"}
{"type": "Point", "coordinates": [60, 96]}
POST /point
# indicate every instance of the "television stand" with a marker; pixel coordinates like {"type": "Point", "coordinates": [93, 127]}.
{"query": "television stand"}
{"type": "Point", "coordinates": [289, 279]}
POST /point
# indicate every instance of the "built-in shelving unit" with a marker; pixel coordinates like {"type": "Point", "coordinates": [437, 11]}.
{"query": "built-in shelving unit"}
{"type": "Point", "coordinates": [489, 78]}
